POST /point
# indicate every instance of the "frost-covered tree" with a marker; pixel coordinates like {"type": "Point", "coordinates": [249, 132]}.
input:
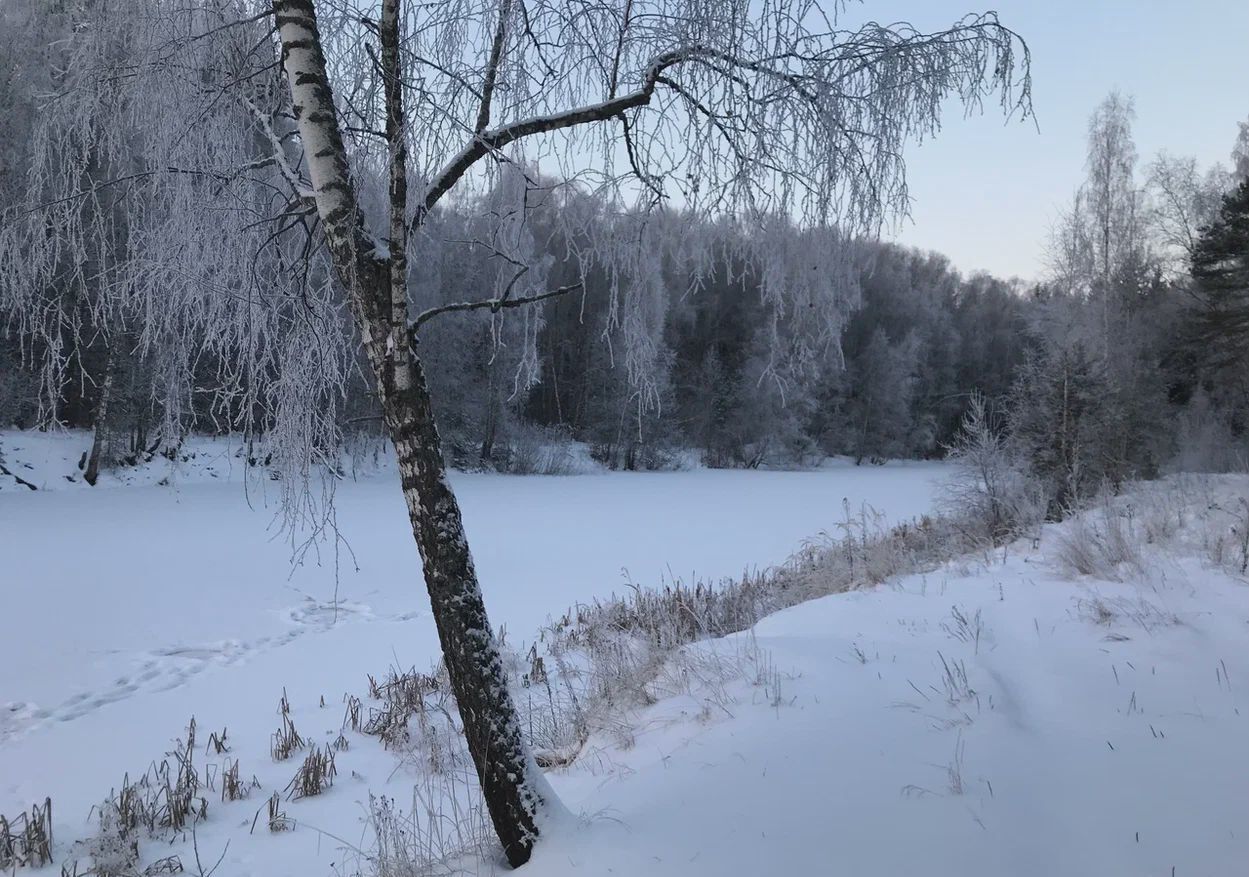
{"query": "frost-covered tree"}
{"type": "Point", "coordinates": [145, 233]}
{"type": "Point", "coordinates": [990, 488]}
{"type": "Point", "coordinates": [1113, 198]}
{"type": "Point", "coordinates": [266, 219]}
{"type": "Point", "coordinates": [1240, 153]}
{"type": "Point", "coordinates": [1101, 325]}
{"type": "Point", "coordinates": [726, 107]}
{"type": "Point", "coordinates": [1061, 424]}
{"type": "Point", "coordinates": [1185, 200]}
{"type": "Point", "coordinates": [883, 377]}
{"type": "Point", "coordinates": [1099, 246]}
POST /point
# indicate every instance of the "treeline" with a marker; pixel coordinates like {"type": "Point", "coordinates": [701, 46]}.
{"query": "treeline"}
{"type": "Point", "coordinates": [722, 381]}
{"type": "Point", "coordinates": [917, 339]}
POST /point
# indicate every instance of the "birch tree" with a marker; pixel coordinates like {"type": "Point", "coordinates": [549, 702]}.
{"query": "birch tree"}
{"type": "Point", "coordinates": [1185, 201]}
{"type": "Point", "coordinates": [1112, 196]}
{"type": "Point", "coordinates": [725, 106]}
{"type": "Point", "coordinates": [293, 217]}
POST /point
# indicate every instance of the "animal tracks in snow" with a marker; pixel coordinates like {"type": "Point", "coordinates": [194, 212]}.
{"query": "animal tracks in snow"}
{"type": "Point", "coordinates": [168, 668]}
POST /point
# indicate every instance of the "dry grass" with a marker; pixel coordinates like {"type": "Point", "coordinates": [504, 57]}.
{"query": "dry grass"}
{"type": "Point", "coordinates": [351, 717]}
{"type": "Point", "coordinates": [314, 776]}
{"type": "Point", "coordinates": [954, 770]}
{"type": "Point", "coordinates": [598, 661]}
{"type": "Point", "coordinates": [277, 820]}
{"type": "Point", "coordinates": [233, 787]}
{"type": "Point", "coordinates": [166, 799]}
{"type": "Point", "coordinates": [1137, 610]}
{"type": "Point", "coordinates": [404, 694]}
{"type": "Point", "coordinates": [1123, 537]}
{"type": "Point", "coordinates": [285, 740]}
{"type": "Point", "coordinates": [164, 803]}
{"type": "Point", "coordinates": [444, 831]}
{"type": "Point", "coordinates": [1102, 543]}
{"type": "Point", "coordinates": [1228, 546]}
{"type": "Point", "coordinates": [956, 689]}
{"type": "Point", "coordinates": [26, 840]}
{"type": "Point", "coordinates": [217, 742]}
{"type": "Point", "coordinates": [966, 628]}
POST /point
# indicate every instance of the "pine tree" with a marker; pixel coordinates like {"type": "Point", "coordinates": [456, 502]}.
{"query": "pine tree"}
{"type": "Point", "coordinates": [1220, 268]}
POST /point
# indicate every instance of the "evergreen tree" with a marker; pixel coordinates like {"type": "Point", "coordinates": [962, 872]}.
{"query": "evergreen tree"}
{"type": "Point", "coordinates": [1220, 268]}
{"type": "Point", "coordinates": [1219, 331]}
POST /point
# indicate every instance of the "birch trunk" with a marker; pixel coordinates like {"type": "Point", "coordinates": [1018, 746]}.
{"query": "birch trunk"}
{"type": "Point", "coordinates": [375, 279]}
{"type": "Point", "coordinates": [100, 434]}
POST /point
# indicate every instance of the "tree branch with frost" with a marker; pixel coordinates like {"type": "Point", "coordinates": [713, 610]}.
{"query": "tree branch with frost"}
{"type": "Point", "coordinates": [834, 82]}
{"type": "Point", "coordinates": [1184, 202]}
{"type": "Point", "coordinates": [491, 141]}
{"type": "Point", "coordinates": [494, 305]}
{"type": "Point", "coordinates": [631, 152]}
{"type": "Point", "coordinates": [298, 185]}
{"type": "Point", "coordinates": [492, 67]}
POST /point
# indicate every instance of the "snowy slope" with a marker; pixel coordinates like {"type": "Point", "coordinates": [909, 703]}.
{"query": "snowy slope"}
{"type": "Point", "coordinates": [1102, 727]}
{"type": "Point", "coordinates": [1086, 748]}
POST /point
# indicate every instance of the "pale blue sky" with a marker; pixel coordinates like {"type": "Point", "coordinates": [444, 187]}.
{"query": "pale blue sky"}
{"type": "Point", "coordinates": [986, 194]}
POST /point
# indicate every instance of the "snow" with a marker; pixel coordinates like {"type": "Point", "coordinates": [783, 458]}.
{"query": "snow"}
{"type": "Point", "coordinates": [1087, 748]}
{"type": "Point", "coordinates": [1081, 755]}
{"type": "Point", "coordinates": [193, 574]}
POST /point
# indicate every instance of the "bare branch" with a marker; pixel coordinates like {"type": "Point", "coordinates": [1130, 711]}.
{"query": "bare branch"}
{"type": "Point", "coordinates": [493, 304]}
{"type": "Point", "coordinates": [492, 68]}
{"type": "Point", "coordinates": [297, 184]}
{"type": "Point", "coordinates": [489, 141]}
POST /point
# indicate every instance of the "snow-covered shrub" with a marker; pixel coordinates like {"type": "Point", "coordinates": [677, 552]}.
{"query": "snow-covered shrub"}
{"type": "Point", "coordinates": [1121, 537]}
{"type": "Point", "coordinates": [445, 830]}
{"type": "Point", "coordinates": [1103, 542]}
{"type": "Point", "coordinates": [991, 490]}
{"type": "Point", "coordinates": [1221, 526]}
{"type": "Point", "coordinates": [541, 450]}
{"type": "Point", "coordinates": [114, 848]}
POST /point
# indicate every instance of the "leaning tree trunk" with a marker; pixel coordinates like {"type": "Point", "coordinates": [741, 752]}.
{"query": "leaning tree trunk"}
{"type": "Point", "coordinates": [375, 278]}
{"type": "Point", "coordinates": [469, 648]}
{"type": "Point", "coordinates": [92, 472]}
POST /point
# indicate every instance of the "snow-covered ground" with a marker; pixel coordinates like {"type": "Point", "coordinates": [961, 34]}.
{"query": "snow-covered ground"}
{"type": "Point", "coordinates": [123, 589]}
{"type": "Point", "coordinates": [1102, 726]}
{"type": "Point", "coordinates": [1083, 727]}
{"type": "Point", "coordinates": [132, 606]}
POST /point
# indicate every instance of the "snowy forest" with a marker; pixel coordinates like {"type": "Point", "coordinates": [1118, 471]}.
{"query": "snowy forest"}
{"type": "Point", "coordinates": [884, 369]}
{"type": "Point", "coordinates": [289, 289]}
{"type": "Point", "coordinates": [700, 354]}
